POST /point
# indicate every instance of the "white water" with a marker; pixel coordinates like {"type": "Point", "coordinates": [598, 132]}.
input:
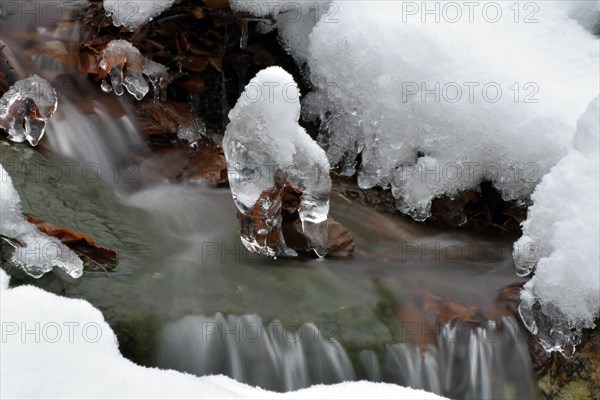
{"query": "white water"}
{"type": "Point", "coordinates": [465, 361]}
{"type": "Point", "coordinates": [246, 350]}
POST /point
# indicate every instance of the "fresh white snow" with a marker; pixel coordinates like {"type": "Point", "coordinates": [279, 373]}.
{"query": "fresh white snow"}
{"type": "Point", "coordinates": [56, 347]}
{"type": "Point", "coordinates": [264, 137]}
{"type": "Point", "coordinates": [132, 14]}
{"type": "Point", "coordinates": [560, 242]}
{"type": "Point", "coordinates": [33, 251]}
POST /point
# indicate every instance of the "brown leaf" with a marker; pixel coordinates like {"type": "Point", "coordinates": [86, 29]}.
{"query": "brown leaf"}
{"type": "Point", "coordinates": [76, 241]}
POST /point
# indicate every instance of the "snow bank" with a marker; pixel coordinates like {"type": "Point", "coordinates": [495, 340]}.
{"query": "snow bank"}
{"type": "Point", "coordinates": [263, 143]}
{"type": "Point", "coordinates": [34, 252]}
{"type": "Point", "coordinates": [134, 13]}
{"type": "Point", "coordinates": [438, 99]}
{"type": "Point", "coordinates": [56, 347]}
{"type": "Point", "coordinates": [560, 242]}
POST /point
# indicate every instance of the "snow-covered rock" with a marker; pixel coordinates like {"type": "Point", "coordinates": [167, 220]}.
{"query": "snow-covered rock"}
{"type": "Point", "coordinates": [264, 147]}
{"type": "Point", "coordinates": [560, 243]}
{"type": "Point", "coordinates": [26, 107]}
{"type": "Point", "coordinates": [34, 252]}
{"type": "Point", "coordinates": [134, 13]}
{"type": "Point", "coordinates": [56, 347]}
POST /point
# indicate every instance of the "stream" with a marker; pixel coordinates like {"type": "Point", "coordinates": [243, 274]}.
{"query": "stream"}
{"type": "Point", "coordinates": [415, 305]}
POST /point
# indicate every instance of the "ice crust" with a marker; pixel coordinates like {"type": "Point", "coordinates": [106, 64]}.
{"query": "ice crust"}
{"type": "Point", "coordinates": [34, 252]}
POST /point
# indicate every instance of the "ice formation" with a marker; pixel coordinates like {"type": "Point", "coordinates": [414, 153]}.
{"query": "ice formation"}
{"type": "Point", "coordinates": [264, 147]}
{"type": "Point", "coordinates": [437, 99]}
{"type": "Point", "coordinates": [133, 14]}
{"type": "Point", "coordinates": [34, 252]}
{"type": "Point", "coordinates": [560, 243]}
{"type": "Point", "coordinates": [26, 107]}
{"type": "Point", "coordinates": [192, 132]}
{"type": "Point", "coordinates": [126, 67]}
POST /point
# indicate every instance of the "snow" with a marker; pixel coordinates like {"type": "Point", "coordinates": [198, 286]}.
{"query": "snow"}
{"type": "Point", "coordinates": [75, 356]}
{"type": "Point", "coordinates": [586, 12]}
{"type": "Point", "coordinates": [34, 252]}
{"type": "Point", "coordinates": [126, 66]}
{"type": "Point", "coordinates": [262, 142]}
{"type": "Point", "coordinates": [437, 107]}
{"type": "Point", "coordinates": [132, 14]}
{"type": "Point", "coordinates": [25, 108]}
{"type": "Point", "coordinates": [560, 243]}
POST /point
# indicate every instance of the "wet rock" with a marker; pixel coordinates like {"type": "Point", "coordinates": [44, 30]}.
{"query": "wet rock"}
{"type": "Point", "coordinates": [7, 73]}
{"type": "Point", "coordinates": [284, 233]}
{"type": "Point", "coordinates": [340, 242]}
{"type": "Point", "coordinates": [574, 378]}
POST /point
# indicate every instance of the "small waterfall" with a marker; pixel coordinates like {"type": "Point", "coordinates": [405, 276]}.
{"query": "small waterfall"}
{"type": "Point", "coordinates": [466, 362]}
{"type": "Point", "coordinates": [272, 356]}
{"type": "Point", "coordinates": [97, 137]}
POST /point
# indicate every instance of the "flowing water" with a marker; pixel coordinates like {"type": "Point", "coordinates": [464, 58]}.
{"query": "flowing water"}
{"type": "Point", "coordinates": [415, 305]}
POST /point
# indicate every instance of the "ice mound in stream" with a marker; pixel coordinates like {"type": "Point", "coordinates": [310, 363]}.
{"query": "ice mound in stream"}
{"type": "Point", "coordinates": [126, 66]}
{"type": "Point", "coordinates": [437, 99]}
{"type": "Point", "coordinates": [265, 147]}
{"type": "Point", "coordinates": [133, 14]}
{"type": "Point", "coordinates": [34, 252]}
{"type": "Point", "coordinates": [26, 107]}
{"type": "Point", "coordinates": [560, 243]}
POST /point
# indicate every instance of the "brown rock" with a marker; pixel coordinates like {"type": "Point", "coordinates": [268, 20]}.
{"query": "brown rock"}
{"type": "Point", "coordinates": [340, 242]}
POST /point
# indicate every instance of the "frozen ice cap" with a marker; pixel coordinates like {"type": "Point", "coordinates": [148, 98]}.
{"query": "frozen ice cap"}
{"type": "Point", "coordinates": [263, 144]}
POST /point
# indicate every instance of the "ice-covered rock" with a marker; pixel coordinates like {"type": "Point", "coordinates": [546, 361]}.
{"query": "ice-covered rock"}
{"type": "Point", "coordinates": [26, 107]}
{"type": "Point", "coordinates": [126, 67]}
{"type": "Point", "coordinates": [134, 13]}
{"type": "Point", "coordinates": [440, 96]}
{"type": "Point", "coordinates": [265, 147]}
{"type": "Point", "coordinates": [560, 243]}
{"type": "Point", "coordinates": [34, 252]}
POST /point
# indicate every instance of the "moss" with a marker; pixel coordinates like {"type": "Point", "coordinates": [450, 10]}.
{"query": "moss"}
{"type": "Point", "coordinates": [577, 390]}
